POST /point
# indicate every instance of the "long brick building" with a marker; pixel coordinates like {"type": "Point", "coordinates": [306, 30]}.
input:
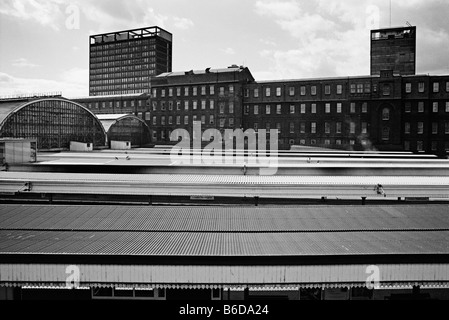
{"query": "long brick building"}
{"type": "Point", "coordinates": [387, 110]}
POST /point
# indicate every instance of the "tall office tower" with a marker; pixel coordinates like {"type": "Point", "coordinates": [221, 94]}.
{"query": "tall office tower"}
{"type": "Point", "coordinates": [123, 62]}
{"type": "Point", "coordinates": [394, 49]}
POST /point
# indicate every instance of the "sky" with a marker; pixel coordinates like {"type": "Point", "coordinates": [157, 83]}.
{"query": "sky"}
{"type": "Point", "coordinates": [44, 44]}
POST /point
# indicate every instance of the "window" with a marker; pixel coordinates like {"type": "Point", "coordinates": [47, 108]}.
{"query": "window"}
{"type": "Point", "coordinates": [420, 127]}
{"type": "Point", "coordinates": [447, 106]}
{"type": "Point", "coordinates": [170, 92]}
{"type": "Point", "coordinates": [178, 92]}
{"type": "Point", "coordinates": [170, 105]}
{"type": "Point", "coordinates": [327, 108]}
{"type": "Point", "coordinates": [246, 93]}
{"type": "Point", "coordinates": [278, 109]}
{"type": "Point", "coordinates": [303, 90]}
{"type": "Point", "coordinates": [222, 91]}
{"type": "Point", "coordinates": [203, 119]}
{"type": "Point", "coordinates": [386, 114]}
{"type": "Point", "coordinates": [408, 87]}
{"type": "Point", "coordinates": [163, 106]}
{"type": "Point", "coordinates": [386, 90]}
{"type": "Point", "coordinates": [313, 142]}
{"type": "Point", "coordinates": [212, 90]}
{"type": "Point", "coordinates": [211, 119]}
{"type": "Point", "coordinates": [435, 107]}
{"type": "Point", "coordinates": [268, 109]}
{"type": "Point", "coordinates": [447, 86]}
{"type": "Point", "coordinates": [435, 128]}
{"type": "Point", "coordinates": [203, 90]}
{"type": "Point", "coordinates": [339, 89]}
{"type": "Point", "coordinates": [292, 109]}
{"type": "Point", "coordinates": [303, 108]}
{"type": "Point", "coordinates": [367, 88]}
{"type": "Point", "coordinates": [195, 105]}
{"type": "Point", "coordinates": [163, 120]}
{"type": "Point", "coordinates": [279, 127]}
{"type": "Point", "coordinates": [327, 89]}
{"type": "Point", "coordinates": [256, 126]}
{"type": "Point", "coordinates": [256, 109]}
{"type": "Point", "coordinates": [154, 121]}
{"type": "Point", "coordinates": [178, 120]}
{"type": "Point", "coordinates": [231, 107]}
{"type": "Point", "coordinates": [365, 107]}
{"type": "Point", "coordinates": [313, 127]}
{"type": "Point", "coordinates": [338, 142]}
{"type": "Point", "coordinates": [278, 92]}
{"type": "Point", "coordinates": [231, 122]}
{"type": "Point", "coordinates": [170, 120]}
{"type": "Point", "coordinates": [313, 107]}
{"type": "Point", "coordinates": [421, 87]}
{"type": "Point", "coordinates": [186, 120]}
{"type": "Point", "coordinates": [222, 123]}
{"type": "Point", "coordinates": [352, 107]}
{"type": "Point", "coordinates": [338, 127]}
{"type": "Point", "coordinates": [246, 110]}
{"type": "Point", "coordinates": [222, 107]}
{"type": "Point", "coordinates": [302, 127]}
{"type": "Point", "coordinates": [212, 104]}
{"type": "Point", "coordinates": [364, 128]}
{"type": "Point", "coordinates": [186, 91]}
{"type": "Point", "coordinates": [436, 87]}
{"type": "Point", "coordinates": [268, 126]}
{"type": "Point", "coordinates": [327, 142]}
{"type": "Point", "coordinates": [420, 146]}
{"type": "Point", "coordinates": [302, 142]}
{"type": "Point", "coordinates": [292, 127]}
{"type": "Point", "coordinates": [256, 93]}
{"type": "Point", "coordinates": [154, 105]}
{"type": "Point", "coordinates": [420, 106]}
{"type": "Point", "coordinates": [408, 107]}
{"type": "Point", "coordinates": [434, 145]}
{"type": "Point", "coordinates": [292, 91]}
{"type": "Point", "coordinates": [267, 92]}
{"type": "Point", "coordinates": [352, 128]}
{"type": "Point", "coordinates": [407, 145]}
{"type": "Point", "coordinates": [154, 93]}
{"type": "Point", "coordinates": [194, 91]}
{"type": "Point", "coordinates": [338, 107]}
{"type": "Point", "coordinates": [231, 89]}
{"type": "Point", "coordinates": [327, 127]}
{"type": "Point", "coordinates": [360, 88]}
{"type": "Point", "coordinates": [353, 88]}
{"type": "Point", "coordinates": [407, 128]}
{"type": "Point", "coordinates": [313, 90]}
{"type": "Point", "coordinates": [203, 104]}
{"type": "Point", "coordinates": [386, 134]}
{"type": "Point", "coordinates": [446, 127]}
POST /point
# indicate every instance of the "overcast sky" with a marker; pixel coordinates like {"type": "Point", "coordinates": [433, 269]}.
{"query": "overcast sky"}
{"type": "Point", "coordinates": [44, 45]}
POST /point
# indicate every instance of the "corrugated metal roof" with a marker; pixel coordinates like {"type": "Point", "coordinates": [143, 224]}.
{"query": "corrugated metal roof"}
{"type": "Point", "coordinates": [229, 179]}
{"type": "Point", "coordinates": [224, 244]}
{"type": "Point", "coordinates": [225, 219]}
{"type": "Point", "coordinates": [271, 277]}
{"type": "Point", "coordinates": [191, 231]}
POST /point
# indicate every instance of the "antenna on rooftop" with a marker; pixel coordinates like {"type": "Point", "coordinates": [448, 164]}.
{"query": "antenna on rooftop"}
{"type": "Point", "coordinates": [408, 23]}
